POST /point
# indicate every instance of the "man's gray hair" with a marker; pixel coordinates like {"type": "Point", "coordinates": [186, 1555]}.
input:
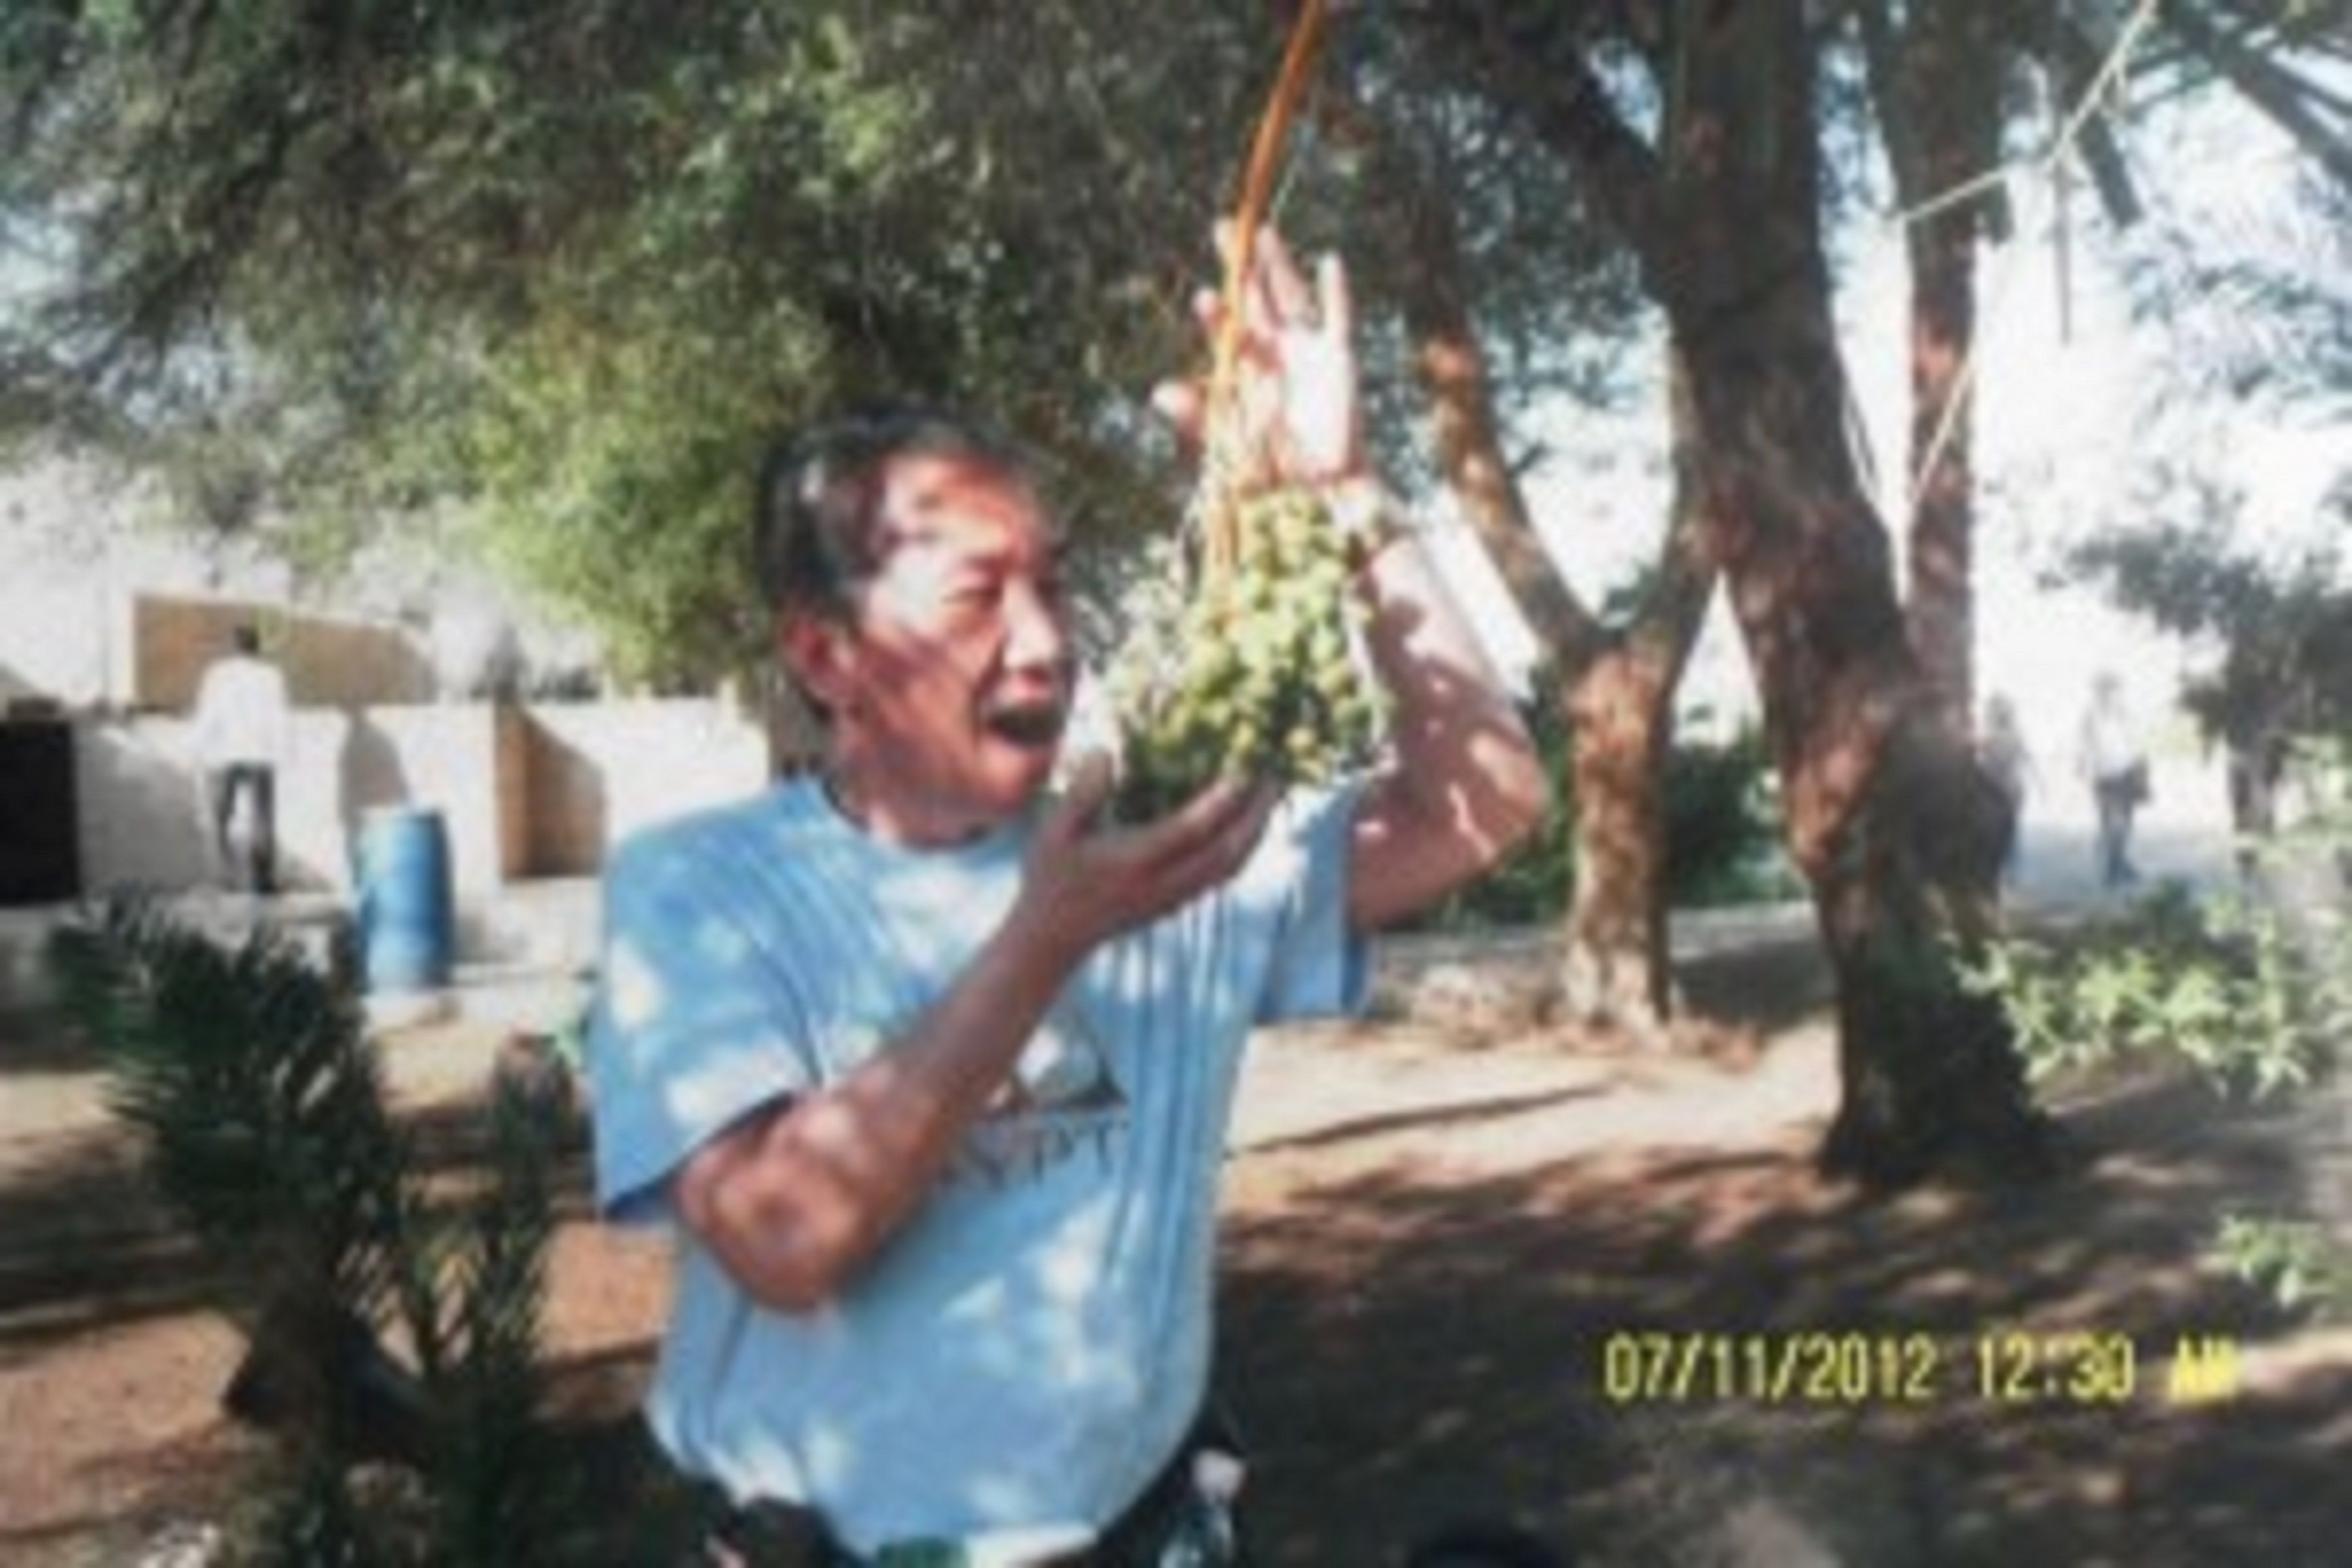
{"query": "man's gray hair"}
{"type": "Point", "coordinates": [815, 518]}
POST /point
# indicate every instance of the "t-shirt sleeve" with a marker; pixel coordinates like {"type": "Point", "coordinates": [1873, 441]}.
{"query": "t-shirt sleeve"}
{"type": "Point", "coordinates": [1320, 967]}
{"type": "Point", "coordinates": [693, 1027]}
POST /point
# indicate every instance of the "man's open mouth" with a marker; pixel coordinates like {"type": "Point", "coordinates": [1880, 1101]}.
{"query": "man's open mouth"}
{"type": "Point", "coordinates": [1034, 725]}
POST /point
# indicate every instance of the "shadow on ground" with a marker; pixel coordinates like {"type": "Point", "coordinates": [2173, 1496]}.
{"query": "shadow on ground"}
{"type": "Point", "coordinates": [1768, 987]}
{"type": "Point", "coordinates": [1407, 1349]}
{"type": "Point", "coordinates": [85, 1244]}
{"type": "Point", "coordinates": [1418, 1298]}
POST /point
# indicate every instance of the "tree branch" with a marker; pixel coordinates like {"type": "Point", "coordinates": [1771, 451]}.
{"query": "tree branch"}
{"type": "Point", "coordinates": [1538, 68]}
{"type": "Point", "coordinates": [2270, 89]}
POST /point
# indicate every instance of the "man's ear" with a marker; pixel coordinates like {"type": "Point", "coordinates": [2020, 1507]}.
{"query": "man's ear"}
{"type": "Point", "coordinates": [819, 652]}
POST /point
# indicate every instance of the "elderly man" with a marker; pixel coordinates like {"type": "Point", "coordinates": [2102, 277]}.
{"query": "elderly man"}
{"type": "Point", "coordinates": [931, 1065]}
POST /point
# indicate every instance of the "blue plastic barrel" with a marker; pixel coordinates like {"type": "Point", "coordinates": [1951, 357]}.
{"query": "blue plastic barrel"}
{"type": "Point", "coordinates": [407, 916]}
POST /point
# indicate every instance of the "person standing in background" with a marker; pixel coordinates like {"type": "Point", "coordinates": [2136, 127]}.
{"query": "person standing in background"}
{"type": "Point", "coordinates": [240, 724]}
{"type": "Point", "coordinates": [2001, 748]}
{"type": "Point", "coordinates": [2109, 757]}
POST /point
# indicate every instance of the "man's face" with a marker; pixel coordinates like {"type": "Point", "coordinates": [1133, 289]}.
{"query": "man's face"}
{"type": "Point", "coordinates": [950, 682]}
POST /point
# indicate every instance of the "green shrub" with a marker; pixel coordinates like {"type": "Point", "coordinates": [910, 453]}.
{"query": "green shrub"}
{"type": "Point", "coordinates": [1722, 837]}
{"type": "Point", "coordinates": [2220, 983]}
{"type": "Point", "coordinates": [394, 1331]}
{"type": "Point", "coordinates": [2214, 982]}
{"type": "Point", "coordinates": [2292, 1262]}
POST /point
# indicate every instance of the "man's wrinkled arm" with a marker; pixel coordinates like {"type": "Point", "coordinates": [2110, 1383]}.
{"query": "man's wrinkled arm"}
{"type": "Point", "coordinates": [794, 1201]}
{"type": "Point", "coordinates": [1466, 782]}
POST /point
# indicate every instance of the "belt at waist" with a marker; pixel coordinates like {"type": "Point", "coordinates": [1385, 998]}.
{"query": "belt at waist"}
{"type": "Point", "coordinates": [773, 1534]}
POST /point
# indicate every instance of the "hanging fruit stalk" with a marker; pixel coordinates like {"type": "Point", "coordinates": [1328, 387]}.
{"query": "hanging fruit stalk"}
{"type": "Point", "coordinates": [1247, 660]}
{"type": "Point", "coordinates": [1224, 446]}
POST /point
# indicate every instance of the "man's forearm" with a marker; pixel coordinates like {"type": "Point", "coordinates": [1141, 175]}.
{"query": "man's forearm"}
{"type": "Point", "coordinates": [796, 1205]}
{"type": "Point", "coordinates": [1460, 744]}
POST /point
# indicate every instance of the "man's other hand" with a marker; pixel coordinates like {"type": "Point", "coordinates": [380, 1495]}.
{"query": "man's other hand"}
{"type": "Point", "coordinates": [1086, 883]}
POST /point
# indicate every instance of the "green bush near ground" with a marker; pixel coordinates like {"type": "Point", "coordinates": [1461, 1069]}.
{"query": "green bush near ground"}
{"type": "Point", "coordinates": [2256, 996]}
{"type": "Point", "coordinates": [1722, 837]}
{"type": "Point", "coordinates": [392, 1328]}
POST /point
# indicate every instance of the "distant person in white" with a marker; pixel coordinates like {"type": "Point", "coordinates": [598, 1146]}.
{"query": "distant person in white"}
{"type": "Point", "coordinates": [2111, 762]}
{"type": "Point", "coordinates": [2001, 748]}
{"type": "Point", "coordinates": [240, 735]}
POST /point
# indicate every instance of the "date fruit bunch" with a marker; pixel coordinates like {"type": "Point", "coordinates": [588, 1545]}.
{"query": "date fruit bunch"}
{"type": "Point", "coordinates": [1255, 672]}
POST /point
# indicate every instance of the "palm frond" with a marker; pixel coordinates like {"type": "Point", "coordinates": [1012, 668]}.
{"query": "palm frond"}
{"type": "Point", "coordinates": [262, 1107]}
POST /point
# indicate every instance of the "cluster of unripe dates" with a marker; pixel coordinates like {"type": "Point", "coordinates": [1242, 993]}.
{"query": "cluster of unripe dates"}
{"type": "Point", "coordinates": [1254, 673]}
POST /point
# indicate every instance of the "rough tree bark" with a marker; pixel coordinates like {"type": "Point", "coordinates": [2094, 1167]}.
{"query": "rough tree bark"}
{"type": "Point", "coordinates": [1887, 818]}
{"type": "Point", "coordinates": [1617, 965]}
{"type": "Point", "coordinates": [1935, 83]}
{"type": "Point", "coordinates": [1615, 686]}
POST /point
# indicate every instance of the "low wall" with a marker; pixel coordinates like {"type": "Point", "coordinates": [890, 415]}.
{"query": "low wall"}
{"type": "Point", "coordinates": [441, 757]}
{"type": "Point", "coordinates": [597, 772]}
{"type": "Point", "coordinates": [536, 791]}
{"type": "Point", "coordinates": [329, 661]}
{"type": "Point", "coordinates": [145, 819]}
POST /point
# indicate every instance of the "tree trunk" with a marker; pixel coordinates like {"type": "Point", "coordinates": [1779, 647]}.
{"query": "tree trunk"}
{"type": "Point", "coordinates": [1942, 597]}
{"type": "Point", "coordinates": [1895, 828]}
{"type": "Point", "coordinates": [1451, 369]}
{"type": "Point", "coordinates": [1614, 969]}
{"type": "Point", "coordinates": [1617, 968]}
{"type": "Point", "coordinates": [1937, 91]}
{"type": "Point", "coordinates": [1893, 825]}
{"type": "Point", "coordinates": [1615, 690]}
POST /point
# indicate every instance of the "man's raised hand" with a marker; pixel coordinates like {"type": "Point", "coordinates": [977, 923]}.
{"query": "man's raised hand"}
{"type": "Point", "coordinates": [1086, 883]}
{"type": "Point", "coordinates": [1299, 401]}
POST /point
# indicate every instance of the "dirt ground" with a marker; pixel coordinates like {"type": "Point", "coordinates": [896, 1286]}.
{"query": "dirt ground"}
{"type": "Point", "coordinates": [1435, 1234]}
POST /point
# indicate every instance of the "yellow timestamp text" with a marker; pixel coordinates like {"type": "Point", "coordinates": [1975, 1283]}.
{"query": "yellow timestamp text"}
{"type": "Point", "coordinates": [1812, 1367]}
{"type": "Point", "coordinates": [2011, 1368]}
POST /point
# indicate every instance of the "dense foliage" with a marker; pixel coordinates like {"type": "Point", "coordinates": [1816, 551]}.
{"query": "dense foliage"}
{"type": "Point", "coordinates": [1722, 837]}
{"type": "Point", "coordinates": [2283, 625]}
{"type": "Point", "coordinates": [263, 1115]}
{"type": "Point", "coordinates": [335, 267]}
{"type": "Point", "coordinates": [2253, 991]}
{"type": "Point", "coordinates": [336, 271]}
{"type": "Point", "coordinates": [2214, 982]}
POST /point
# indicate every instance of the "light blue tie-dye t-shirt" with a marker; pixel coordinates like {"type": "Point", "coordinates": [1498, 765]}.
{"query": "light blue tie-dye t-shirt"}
{"type": "Point", "coordinates": [1020, 1360]}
